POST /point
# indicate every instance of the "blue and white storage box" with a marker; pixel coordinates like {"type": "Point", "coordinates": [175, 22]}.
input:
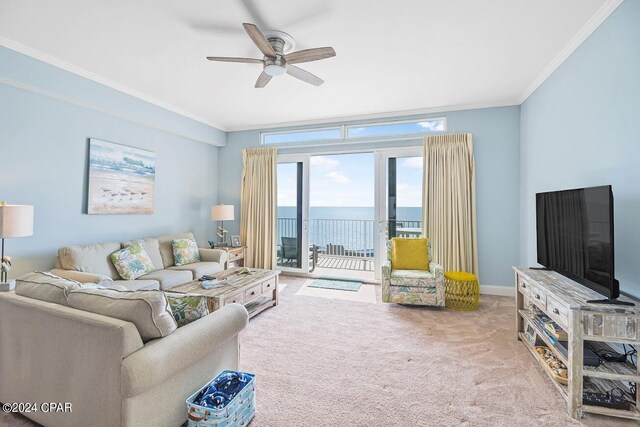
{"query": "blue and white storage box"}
{"type": "Point", "coordinates": [228, 400]}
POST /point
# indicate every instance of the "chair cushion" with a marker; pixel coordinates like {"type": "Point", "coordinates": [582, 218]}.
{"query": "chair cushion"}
{"type": "Point", "coordinates": [169, 278]}
{"type": "Point", "coordinates": [411, 274]}
{"type": "Point", "coordinates": [94, 258]}
{"type": "Point", "coordinates": [166, 247]}
{"type": "Point", "coordinates": [187, 308]}
{"type": "Point", "coordinates": [199, 269]}
{"type": "Point", "coordinates": [185, 251]}
{"type": "Point", "coordinates": [409, 253]}
{"type": "Point", "coordinates": [46, 287]}
{"type": "Point", "coordinates": [132, 262]}
{"type": "Point", "coordinates": [152, 246]}
{"type": "Point", "coordinates": [149, 311]}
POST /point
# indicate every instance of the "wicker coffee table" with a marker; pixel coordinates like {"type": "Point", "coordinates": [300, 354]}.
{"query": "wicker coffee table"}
{"type": "Point", "coordinates": [257, 291]}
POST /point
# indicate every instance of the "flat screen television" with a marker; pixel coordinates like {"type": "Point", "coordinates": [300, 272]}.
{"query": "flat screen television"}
{"type": "Point", "coordinates": [575, 236]}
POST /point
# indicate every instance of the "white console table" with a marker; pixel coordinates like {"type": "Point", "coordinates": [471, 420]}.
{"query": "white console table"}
{"type": "Point", "coordinates": [565, 301]}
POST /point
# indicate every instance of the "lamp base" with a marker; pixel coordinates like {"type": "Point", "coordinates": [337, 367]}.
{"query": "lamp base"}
{"type": "Point", "coordinates": [7, 286]}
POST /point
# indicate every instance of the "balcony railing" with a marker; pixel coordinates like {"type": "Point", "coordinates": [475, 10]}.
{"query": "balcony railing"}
{"type": "Point", "coordinates": [351, 238]}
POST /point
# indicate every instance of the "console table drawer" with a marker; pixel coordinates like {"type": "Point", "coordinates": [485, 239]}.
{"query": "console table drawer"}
{"type": "Point", "coordinates": [238, 298]}
{"type": "Point", "coordinates": [538, 296]}
{"type": "Point", "coordinates": [269, 285]}
{"type": "Point", "coordinates": [558, 312]}
{"type": "Point", "coordinates": [253, 292]}
{"type": "Point", "coordinates": [523, 287]}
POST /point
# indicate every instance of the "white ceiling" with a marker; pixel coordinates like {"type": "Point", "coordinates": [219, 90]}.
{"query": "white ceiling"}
{"type": "Point", "coordinates": [393, 56]}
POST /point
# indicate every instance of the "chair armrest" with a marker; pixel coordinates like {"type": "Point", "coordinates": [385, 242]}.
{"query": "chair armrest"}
{"type": "Point", "coordinates": [83, 277]}
{"type": "Point", "coordinates": [162, 358]}
{"type": "Point", "coordinates": [386, 270]}
{"type": "Point", "coordinates": [213, 255]}
{"type": "Point", "coordinates": [436, 269]}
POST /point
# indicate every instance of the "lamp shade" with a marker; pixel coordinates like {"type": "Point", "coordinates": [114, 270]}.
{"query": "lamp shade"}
{"type": "Point", "coordinates": [16, 220]}
{"type": "Point", "coordinates": [222, 213]}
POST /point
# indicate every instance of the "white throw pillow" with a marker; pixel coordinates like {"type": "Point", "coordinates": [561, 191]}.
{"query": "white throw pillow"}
{"type": "Point", "coordinates": [148, 310]}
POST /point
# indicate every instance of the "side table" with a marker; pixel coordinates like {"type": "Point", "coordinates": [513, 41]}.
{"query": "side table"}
{"type": "Point", "coordinates": [235, 256]}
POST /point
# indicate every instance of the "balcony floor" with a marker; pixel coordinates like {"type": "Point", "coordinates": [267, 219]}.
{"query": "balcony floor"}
{"type": "Point", "coordinates": [344, 262]}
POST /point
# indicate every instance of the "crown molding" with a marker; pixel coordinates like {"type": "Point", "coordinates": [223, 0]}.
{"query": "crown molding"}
{"type": "Point", "coordinates": [594, 22]}
{"type": "Point", "coordinates": [384, 115]}
{"type": "Point", "coordinates": [59, 63]}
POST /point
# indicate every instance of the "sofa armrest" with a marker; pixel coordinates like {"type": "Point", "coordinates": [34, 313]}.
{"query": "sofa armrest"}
{"type": "Point", "coordinates": [213, 255]}
{"type": "Point", "coordinates": [82, 277]}
{"type": "Point", "coordinates": [436, 269]}
{"type": "Point", "coordinates": [162, 358]}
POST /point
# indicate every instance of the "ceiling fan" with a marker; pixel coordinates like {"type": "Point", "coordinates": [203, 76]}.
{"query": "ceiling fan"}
{"type": "Point", "coordinates": [277, 48]}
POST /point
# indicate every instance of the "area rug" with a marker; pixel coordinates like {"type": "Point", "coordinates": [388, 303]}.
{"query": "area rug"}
{"type": "Point", "coordinates": [338, 285]}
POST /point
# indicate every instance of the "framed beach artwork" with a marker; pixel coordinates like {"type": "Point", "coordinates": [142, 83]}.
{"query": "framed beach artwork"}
{"type": "Point", "coordinates": [121, 179]}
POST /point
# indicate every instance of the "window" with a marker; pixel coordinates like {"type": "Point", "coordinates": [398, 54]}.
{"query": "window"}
{"type": "Point", "coordinates": [357, 133]}
{"type": "Point", "coordinates": [302, 136]}
{"type": "Point", "coordinates": [396, 128]}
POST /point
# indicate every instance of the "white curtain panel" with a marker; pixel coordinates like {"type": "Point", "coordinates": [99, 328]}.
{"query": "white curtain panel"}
{"type": "Point", "coordinates": [449, 201]}
{"type": "Point", "coordinates": [258, 200]}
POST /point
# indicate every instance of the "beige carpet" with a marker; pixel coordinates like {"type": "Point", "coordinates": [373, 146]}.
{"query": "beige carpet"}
{"type": "Point", "coordinates": [329, 362]}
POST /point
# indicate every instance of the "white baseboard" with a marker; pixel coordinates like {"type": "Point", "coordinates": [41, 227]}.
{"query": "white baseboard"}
{"type": "Point", "coordinates": [503, 291]}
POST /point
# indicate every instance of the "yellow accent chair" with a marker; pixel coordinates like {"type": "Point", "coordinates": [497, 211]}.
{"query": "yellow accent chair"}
{"type": "Point", "coordinates": [409, 276]}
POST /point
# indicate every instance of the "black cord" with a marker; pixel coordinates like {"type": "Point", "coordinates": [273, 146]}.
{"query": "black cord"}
{"type": "Point", "coordinates": [631, 353]}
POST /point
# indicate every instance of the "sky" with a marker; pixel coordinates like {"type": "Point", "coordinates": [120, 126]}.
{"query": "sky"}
{"type": "Point", "coordinates": [347, 180]}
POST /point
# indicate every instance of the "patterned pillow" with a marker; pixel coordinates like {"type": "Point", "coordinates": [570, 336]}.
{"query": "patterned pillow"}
{"type": "Point", "coordinates": [185, 251]}
{"type": "Point", "coordinates": [187, 308]}
{"type": "Point", "coordinates": [132, 262]}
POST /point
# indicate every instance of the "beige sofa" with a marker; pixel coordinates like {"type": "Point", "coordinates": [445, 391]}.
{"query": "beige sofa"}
{"type": "Point", "coordinates": [92, 263]}
{"type": "Point", "coordinates": [54, 353]}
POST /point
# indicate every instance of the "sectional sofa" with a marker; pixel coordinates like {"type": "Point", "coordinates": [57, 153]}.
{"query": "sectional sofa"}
{"type": "Point", "coordinates": [92, 263]}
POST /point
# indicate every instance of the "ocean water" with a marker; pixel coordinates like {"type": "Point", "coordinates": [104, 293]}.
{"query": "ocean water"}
{"type": "Point", "coordinates": [348, 228]}
{"type": "Point", "coordinates": [349, 213]}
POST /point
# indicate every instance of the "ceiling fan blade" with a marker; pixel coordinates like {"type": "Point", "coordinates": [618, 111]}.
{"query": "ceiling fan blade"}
{"type": "Point", "coordinates": [263, 79]}
{"type": "Point", "coordinates": [259, 39]}
{"type": "Point", "coordinates": [231, 59]}
{"type": "Point", "coordinates": [309, 55]}
{"type": "Point", "coordinates": [303, 75]}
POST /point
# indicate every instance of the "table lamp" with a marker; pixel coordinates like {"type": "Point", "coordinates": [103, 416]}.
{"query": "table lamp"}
{"type": "Point", "coordinates": [222, 213]}
{"type": "Point", "coordinates": [15, 221]}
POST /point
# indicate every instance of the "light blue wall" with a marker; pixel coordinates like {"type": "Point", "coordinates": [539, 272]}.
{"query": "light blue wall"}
{"type": "Point", "coordinates": [46, 118]}
{"type": "Point", "coordinates": [580, 129]}
{"type": "Point", "coordinates": [495, 135]}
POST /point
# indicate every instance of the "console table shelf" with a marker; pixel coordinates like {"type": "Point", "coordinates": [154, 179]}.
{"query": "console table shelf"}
{"type": "Point", "coordinates": [565, 302]}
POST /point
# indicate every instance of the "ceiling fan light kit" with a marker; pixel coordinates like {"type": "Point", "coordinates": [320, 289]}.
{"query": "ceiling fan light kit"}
{"type": "Point", "coordinates": [277, 48]}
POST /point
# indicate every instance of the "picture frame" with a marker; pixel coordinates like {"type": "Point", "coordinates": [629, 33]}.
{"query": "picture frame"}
{"type": "Point", "coordinates": [235, 241]}
{"type": "Point", "coordinates": [530, 334]}
{"type": "Point", "coordinates": [121, 179]}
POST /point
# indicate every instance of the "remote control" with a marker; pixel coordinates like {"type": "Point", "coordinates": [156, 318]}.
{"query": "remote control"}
{"type": "Point", "coordinates": [606, 400]}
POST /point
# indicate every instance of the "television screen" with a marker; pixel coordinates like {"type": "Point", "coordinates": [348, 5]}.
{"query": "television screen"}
{"type": "Point", "coordinates": [575, 236]}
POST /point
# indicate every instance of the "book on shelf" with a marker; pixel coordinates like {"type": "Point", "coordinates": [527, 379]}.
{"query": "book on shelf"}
{"type": "Point", "coordinates": [556, 331]}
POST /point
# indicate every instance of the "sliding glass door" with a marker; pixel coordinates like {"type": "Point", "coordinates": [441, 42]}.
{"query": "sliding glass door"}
{"type": "Point", "coordinates": [292, 222]}
{"type": "Point", "coordinates": [337, 210]}
{"type": "Point", "coordinates": [400, 193]}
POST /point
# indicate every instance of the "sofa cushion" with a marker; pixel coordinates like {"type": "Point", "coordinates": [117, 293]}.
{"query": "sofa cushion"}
{"type": "Point", "coordinates": [187, 308]}
{"type": "Point", "coordinates": [409, 253]}
{"type": "Point", "coordinates": [46, 287]}
{"type": "Point", "coordinates": [185, 251]}
{"type": "Point", "coordinates": [169, 278]}
{"type": "Point", "coordinates": [199, 269]}
{"type": "Point", "coordinates": [149, 311]}
{"type": "Point", "coordinates": [138, 284]}
{"type": "Point", "coordinates": [166, 246]}
{"type": "Point", "coordinates": [94, 258]}
{"type": "Point", "coordinates": [152, 247]}
{"type": "Point", "coordinates": [132, 262]}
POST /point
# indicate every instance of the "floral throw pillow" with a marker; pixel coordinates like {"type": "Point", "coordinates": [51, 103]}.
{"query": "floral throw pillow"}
{"type": "Point", "coordinates": [185, 251]}
{"type": "Point", "coordinates": [132, 262]}
{"type": "Point", "coordinates": [187, 308]}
